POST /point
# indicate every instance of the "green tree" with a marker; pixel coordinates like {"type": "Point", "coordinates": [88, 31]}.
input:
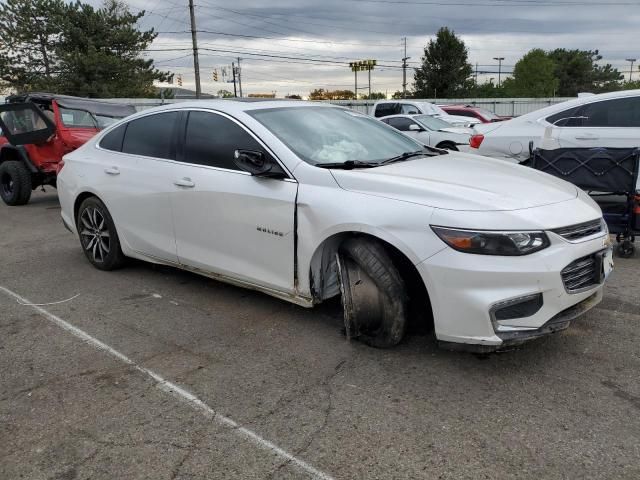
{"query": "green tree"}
{"type": "Point", "coordinates": [445, 70]}
{"type": "Point", "coordinates": [533, 76]}
{"type": "Point", "coordinates": [224, 93]}
{"type": "Point", "coordinates": [577, 71]}
{"type": "Point", "coordinates": [31, 31]}
{"type": "Point", "coordinates": [100, 53]}
{"type": "Point", "coordinates": [374, 96]}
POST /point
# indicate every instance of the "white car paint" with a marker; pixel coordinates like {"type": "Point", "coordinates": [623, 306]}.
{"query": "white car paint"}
{"type": "Point", "coordinates": [280, 236]}
{"type": "Point", "coordinates": [413, 107]}
{"type": "Point", "coordinates": [509, 140]}
{"type": "Point", "coordinates": [429, 130]}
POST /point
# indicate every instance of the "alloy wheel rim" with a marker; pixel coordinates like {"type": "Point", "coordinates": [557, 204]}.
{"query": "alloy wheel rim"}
{"type": "Point", "coordinates": [95, 234]}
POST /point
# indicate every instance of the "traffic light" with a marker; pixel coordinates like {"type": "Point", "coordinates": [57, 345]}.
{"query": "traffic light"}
{"type": "Point", "coordinates": [179, 79]}
{"type": "Point", "coordinates": [215, 75]}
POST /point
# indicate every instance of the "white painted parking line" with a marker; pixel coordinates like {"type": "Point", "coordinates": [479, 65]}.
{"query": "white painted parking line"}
{"type": "Point", "coordinates": [174, 389]}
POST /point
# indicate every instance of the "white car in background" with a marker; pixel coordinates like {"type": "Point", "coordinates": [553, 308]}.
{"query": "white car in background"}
{"type": "Point", "coordinates": [605, 120]}
{"type": "Point", "coordinates": [431, 131]}
{"type": "Point", "coordinates": [384, 108]}
{"type": "Point", "coordinates": [306, 202]}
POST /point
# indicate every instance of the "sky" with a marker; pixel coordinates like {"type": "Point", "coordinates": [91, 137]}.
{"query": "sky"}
{"type": "Point", "coordinates": [319, 37]}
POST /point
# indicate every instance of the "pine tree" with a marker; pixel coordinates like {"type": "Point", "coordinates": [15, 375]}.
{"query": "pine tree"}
{"type": "Point", "coordinates": [100, 53]}
{"type": "Point", "coordinates": [30, 35]}
{"type": "Point", "coordinates": [445, 70]}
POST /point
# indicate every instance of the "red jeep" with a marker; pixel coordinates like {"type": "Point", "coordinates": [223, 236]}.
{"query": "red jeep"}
{"type": "Point", "coordinates": [37, 129]}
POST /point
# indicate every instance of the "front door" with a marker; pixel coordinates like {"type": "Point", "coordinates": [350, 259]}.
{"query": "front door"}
{"type": "Point", "coordinates": [226, 220]}
{"type": "Point", "coordinates": [24, 123]}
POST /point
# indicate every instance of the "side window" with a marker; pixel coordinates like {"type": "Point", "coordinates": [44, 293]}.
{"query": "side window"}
{"type": "Point", "coordinates": [566, 118]}
{"type": "Point", "coordinates": [384, 109]}
{"type": "Point", "coordinates": [458, 113]}
{"type": "Point", "coordinates": [621, 112]}
{"type": "Point", "coordinates": [113, 140]}
{"type": "Point", "coordinates": [401, 123]}
{"type": "Point", "coordinates": [409, 109]}
{"type": "Point", "coordinates": [152, 136]}
{"type": "Point", "coordinates": [212, 139]}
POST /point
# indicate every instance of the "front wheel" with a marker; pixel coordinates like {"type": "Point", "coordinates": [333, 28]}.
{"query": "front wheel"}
{"type": "Point", "coordinates": [374, 296]}
{"type": "Point", "coordinates": [15, 183]}
{"type": "Point", "coordinates": [98, 235]}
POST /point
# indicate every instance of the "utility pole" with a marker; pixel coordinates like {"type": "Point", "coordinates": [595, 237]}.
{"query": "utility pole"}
{"type": "Point", "coordinates": [239, 77]}
{"type": "Point", "coordinates": [233, 71]}
{"type": "Point", "coordinates": [404, 69]}
{"type": "Point", "coordinates": [499, 59]}
{"type": "Point", "coordinates": [632, 60]}
{"type": "Point", "coordinates": [194, 39]}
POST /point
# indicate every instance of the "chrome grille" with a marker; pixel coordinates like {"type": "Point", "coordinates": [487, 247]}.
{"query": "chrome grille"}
{"type": "Point", "coordinates": [581, 230]}
{"type": "Point", "coordinates": [581, 273]}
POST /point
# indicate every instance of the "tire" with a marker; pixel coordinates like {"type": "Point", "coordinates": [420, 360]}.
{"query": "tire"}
{"type": "Point", "coordinates": [98, 235]}
{"type": "Point", "coordinates": [374, 296]}
{"type": "Point", "coordinates": [15, 183]}
{"type": "Point", "coordinates": [448, 146]}
{"type": "Point", "coordinates": [626, 249]}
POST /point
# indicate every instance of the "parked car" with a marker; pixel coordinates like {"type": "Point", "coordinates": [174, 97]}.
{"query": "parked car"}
{"type": "Point", "coordinates": [384, 108]}
{"type": "Point", "coordinates": [37, 129]}
{"type": "Point", "coordinates": [605, 120]}
{"type": "Point", "coordinates": [306, 202]}
{"type": "Point", "coordinates": [431, 131]}
{"type": "Point", "coordinates": [482, 114]}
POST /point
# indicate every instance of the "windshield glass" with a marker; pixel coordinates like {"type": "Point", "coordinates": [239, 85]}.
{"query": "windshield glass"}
{"type": "Point", "coordinates": [320, 135]}
{"type": "Point", "coordinates": [432, 123]}
{"type": "Point", "coordinates": [83, 119]}
{"type": "Point", "coordinates": [488, 114]}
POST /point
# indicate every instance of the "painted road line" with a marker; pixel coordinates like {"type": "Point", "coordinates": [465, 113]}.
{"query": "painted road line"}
{"type": "Point", "coordinates": [175, 390]}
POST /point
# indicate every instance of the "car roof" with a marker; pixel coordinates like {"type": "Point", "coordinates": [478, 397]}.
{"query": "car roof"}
{"type": "Point", "coordinates": [559, 107]}
{"type": "Point", "coordinates": [234, 106]}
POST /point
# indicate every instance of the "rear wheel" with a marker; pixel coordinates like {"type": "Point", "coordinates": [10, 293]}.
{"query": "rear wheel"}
{"type": "Point", "coordinates": [374, 296]}
{"type": "Point", "coordinates": [98, 235]}
{"type": "Point", "coordinates": [15, 183]}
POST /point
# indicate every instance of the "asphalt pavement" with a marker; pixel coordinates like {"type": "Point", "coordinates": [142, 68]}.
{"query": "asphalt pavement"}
{"type": "Point", "coordinates": [150, 372]}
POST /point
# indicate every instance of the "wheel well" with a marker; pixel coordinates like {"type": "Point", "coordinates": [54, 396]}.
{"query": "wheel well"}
{"type": "Point", "coordinates": [324, 277]}
{"type": "Point", "coordinates": [76, 206]}
{"type": "Point", "coordinates": [446, 144]}
{"type": "Point", "coordinates": [9, 154]}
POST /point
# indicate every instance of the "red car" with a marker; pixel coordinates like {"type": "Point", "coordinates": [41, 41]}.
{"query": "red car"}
{"type": "Point", "coordinates": [37, 129]}
{"type": "Point", "coordinates": [482, 114]}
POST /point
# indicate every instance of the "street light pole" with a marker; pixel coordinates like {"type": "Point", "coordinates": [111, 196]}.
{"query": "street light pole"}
{"type": "Point", "coordinates": [499, 59]}
{"type": "Point", "coordinates": [632, 60]}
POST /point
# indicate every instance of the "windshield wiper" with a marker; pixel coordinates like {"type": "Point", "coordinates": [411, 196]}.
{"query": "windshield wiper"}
{"type": "Point", "coordinates": [403, 156]}
{"type": "Point", "coordinates": [348, 165]}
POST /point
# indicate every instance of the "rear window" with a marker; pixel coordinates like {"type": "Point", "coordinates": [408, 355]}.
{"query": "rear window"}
{"type": "Point", "coordinates": [113, 140]}
{"type": "Point", "coordinates": [152, 136]}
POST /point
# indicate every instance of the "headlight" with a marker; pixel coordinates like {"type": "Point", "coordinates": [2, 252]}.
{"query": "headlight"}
{"type": "Point", "coordinates": [486, 242]}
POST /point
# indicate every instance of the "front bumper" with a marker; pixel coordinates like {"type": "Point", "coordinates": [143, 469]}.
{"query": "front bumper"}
{"type": "Point", "coordinates": [464, 288]}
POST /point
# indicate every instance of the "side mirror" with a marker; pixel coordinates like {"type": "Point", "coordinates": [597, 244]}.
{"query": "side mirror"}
{"type": "Point", "coordinates": [257, 164]}
{"type": "Point", "coordinates": [415, 128]}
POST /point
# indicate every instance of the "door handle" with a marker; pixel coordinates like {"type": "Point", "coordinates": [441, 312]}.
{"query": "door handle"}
{"type": "Point", "coordinates": [587, 137]}
{"type": "Point", "coordinates": [112, 171]}
{"type": "Point", "coordinates": [185, 182]}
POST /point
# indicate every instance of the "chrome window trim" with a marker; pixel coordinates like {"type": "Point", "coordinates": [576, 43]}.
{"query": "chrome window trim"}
{"type": "Point", "coordinates": [290, 178]}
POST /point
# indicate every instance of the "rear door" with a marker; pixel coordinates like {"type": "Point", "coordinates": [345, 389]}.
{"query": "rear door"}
{"type": "Point", "coordinates": [134, 174]}
{"type": "Point", "coordinates": [608, 123]}
{"type": "Point", "coordinates": [24, 123]}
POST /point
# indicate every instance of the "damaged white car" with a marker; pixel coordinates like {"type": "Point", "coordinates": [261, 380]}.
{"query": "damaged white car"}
{"type": "Point", "coordinates": [305, 202]}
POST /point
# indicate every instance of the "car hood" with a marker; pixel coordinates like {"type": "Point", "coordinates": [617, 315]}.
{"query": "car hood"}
{"type": "Point", "coordinates": [458, 181]}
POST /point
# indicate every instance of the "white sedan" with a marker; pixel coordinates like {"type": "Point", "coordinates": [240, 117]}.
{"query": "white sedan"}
{"type": "Point", "coordinates": [431, 131]}
{"type": "Point", "coordinates": [605, 120]}
{"type": "Point", "coordinates": [305, 202]}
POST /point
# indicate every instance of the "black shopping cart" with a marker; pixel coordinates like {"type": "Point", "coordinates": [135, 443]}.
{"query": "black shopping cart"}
{"type": "Point", "coordinates": [609, 175]}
